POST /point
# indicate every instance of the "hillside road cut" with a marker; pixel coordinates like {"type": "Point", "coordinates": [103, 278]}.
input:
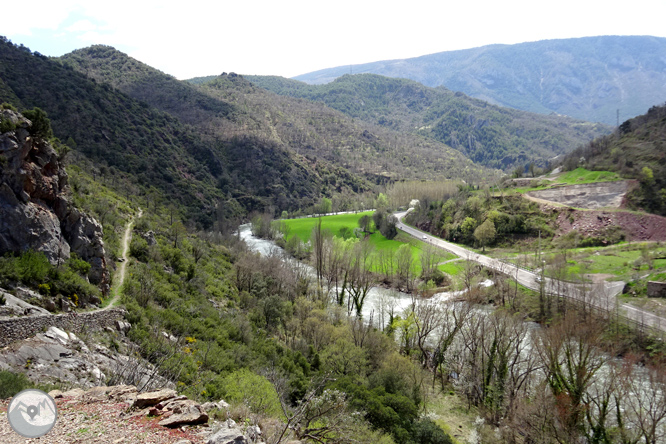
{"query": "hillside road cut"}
{"type": "Point", "coordinates": [601, 296]}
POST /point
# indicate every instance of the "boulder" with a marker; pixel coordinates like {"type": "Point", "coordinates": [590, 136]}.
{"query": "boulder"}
{"type": "Point", "coordinates": [123, 326]}
{"type": "Point", "coordinates": [97, 394]}
{"type": "Point", "coordinates": [171, 404]}
{"type": "Point", "coordinates": [125, 393]}
{"type": "Point", "coordinates": [229, 433]}
{"type": "Point", "coordinates": [220, 405]}
{"type": "Point", "coordinates": [149, 237]}
{"type": "Point", "coordinates": [45, 351]}
{"type": "Point", "coordinates": [57, 334]}
{"type": "Point", "coordinates": [50, 305]}
{"type": "Point", "coordinates": [150, 399]}
{"type": "Point", "coordinates": [98, 375]}
{"type": "Point", "coordinates": [185, 412]}
{"type": "Point", "coordinates": [55, 394]}
{"type": "Point", "coordinates": [254, 433]}
{"type": "Point", "coordinates": [74, 393]}
{"type": "Point", "coordinates": [228, 436]}
{"type": "Point", "coordinates": [18, 307]}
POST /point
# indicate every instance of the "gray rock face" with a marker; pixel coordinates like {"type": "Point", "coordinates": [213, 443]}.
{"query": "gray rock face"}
{"type": "Point", "coordinates": [17, 307]}
{"type": "Point", "coordinates": [149, 236]}
{"type": "Point", "coordinates": [34, 211]}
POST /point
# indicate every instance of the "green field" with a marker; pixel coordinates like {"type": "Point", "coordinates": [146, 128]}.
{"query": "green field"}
{"type": "Point", "coordinates": [303, 229]}
{"type": "Point", "coordinates": [452, 268]}
{"type": "Point", "coordinates": [623, 261]}
{"type": "Point", "coordinates": [581, 175]}
{"type": "Point", "coordinates": [577, 176]}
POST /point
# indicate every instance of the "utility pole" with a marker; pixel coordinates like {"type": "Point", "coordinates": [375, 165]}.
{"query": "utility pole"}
{"type": "Point", "coordinates": [537, 253]}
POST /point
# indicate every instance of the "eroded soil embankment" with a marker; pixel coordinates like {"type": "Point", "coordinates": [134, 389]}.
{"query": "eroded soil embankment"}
{"type": "Point", "coordinates": [636, 227]}
{"type": "Point", "coordinates": [590, 196]}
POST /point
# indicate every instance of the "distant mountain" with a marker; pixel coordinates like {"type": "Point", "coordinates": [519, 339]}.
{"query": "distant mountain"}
{"type": "Point", "coordinates": [491, 135]}
{"type": "Point", "coordinates": [228, 105]}
{"type": "Point", "coordinates": [637, 150]}
{"type": "Point", "coordinates": [587, 78]}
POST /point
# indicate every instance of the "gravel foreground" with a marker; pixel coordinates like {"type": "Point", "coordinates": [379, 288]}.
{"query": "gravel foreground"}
{"type": "Point", "coordinates": [81, 421]}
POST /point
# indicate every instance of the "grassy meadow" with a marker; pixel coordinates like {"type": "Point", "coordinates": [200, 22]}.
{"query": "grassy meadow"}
{"type": "Point", "coordinates": [303, 229]}
{"type": "Point", "coordinates": [581, 175]}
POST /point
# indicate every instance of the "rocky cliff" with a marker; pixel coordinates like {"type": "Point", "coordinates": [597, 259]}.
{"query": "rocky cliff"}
{"type": "Point", "coordinates": [34, 210]}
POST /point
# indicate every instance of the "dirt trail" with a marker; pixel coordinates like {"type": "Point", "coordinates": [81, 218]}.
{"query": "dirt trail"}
{"type": "Point", "coordinates": [120, 273]}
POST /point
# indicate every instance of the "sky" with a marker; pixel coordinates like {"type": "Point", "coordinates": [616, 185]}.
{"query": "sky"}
{"type": "Point", "coordinates": [292, 37]}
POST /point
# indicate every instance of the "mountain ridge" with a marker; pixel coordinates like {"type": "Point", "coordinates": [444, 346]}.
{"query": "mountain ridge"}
{"type": "Point", "coordinates": [308, 129]}
{"type": "Point", "coordinates": [588, 78]}
{"type": "Point", "coordinates": [494, 136]}
{"type": "Point", "coordinates": [122, 135]}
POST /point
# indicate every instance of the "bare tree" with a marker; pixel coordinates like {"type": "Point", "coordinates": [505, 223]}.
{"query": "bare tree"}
{"type": "Point", "coordinates": [453, 318]}
{"type": "Point", "coordinates": [318, 249]}
{"type": "Point", "coordinates": [572, 357]}
{"type": "Point", "coordinates": [404, 267]}
{"type": "Point", "coordinates": [429, 257]}
{"type": "Point", "coordinates": [428, 316]}
{"type": "Point", "coordinates": [386, 264]}
{"type": "Point", "coordinates": [645, 401]}
{"type": "Point", "coordinates": [359, 275]}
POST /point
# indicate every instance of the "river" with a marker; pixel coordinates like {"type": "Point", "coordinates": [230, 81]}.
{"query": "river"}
{"type": "Point", "coordinates": [379, 299]}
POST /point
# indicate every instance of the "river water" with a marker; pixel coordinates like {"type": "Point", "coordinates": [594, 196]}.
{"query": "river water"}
{"type": "Point", "coordinates": [379, 299]}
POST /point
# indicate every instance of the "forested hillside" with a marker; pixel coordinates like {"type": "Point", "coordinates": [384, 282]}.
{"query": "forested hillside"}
{"type": "Point", "coordinates": [210, 175]}
{"type": "Point", "coordinates": [488, 134]}
{"type": "Point", "coordinates": [229, 105]}
{"type": "Point", "coordinates": [638, 151]}
{"type": "Point", "coordinates": [217, 322]}
{"type": "Point", "coordinates": [587, 78]}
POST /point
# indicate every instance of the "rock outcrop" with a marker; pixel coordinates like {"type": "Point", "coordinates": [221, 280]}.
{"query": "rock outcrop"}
{"type": "Point", "coordinates": [34, 210]}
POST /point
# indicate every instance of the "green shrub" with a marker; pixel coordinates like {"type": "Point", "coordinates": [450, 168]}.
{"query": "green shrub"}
{"type": "Point", "coordinates": [41, 125]}
{"type": "Point", "coordinates": [246, 387]}
{"type": "Point", "coordinates": [6, 126]}
{"type": "Point", "coordinates": [139, 248]}
{"type": "Point", "coordinates": [427, 432]}
{"type": "Point", "coordinates": [12, 383]}
{"type": "Point", "coordinates": [79, 265]}
{"type": "Point", "coordinates": [33, 267]}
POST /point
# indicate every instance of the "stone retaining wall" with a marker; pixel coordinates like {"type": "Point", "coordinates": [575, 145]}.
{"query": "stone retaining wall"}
{"type": "Point", "coordinates": [16, 329]}
{"type": "Point", "coordinates": [656, 289]}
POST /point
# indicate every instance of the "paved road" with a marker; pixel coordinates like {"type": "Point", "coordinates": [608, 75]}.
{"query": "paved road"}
{"type": "Point", "coordinates": [601, 295]}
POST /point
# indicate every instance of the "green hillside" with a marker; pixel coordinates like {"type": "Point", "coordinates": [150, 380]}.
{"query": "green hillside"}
{"type": "Point", "coordinates": [490, 135]}
{"type": "Point", "coordinates": [636, 151]}
{"type": "Point", "coordinates": [228, 105]}
{"type": "Point", "coordinates": [213, 176]}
